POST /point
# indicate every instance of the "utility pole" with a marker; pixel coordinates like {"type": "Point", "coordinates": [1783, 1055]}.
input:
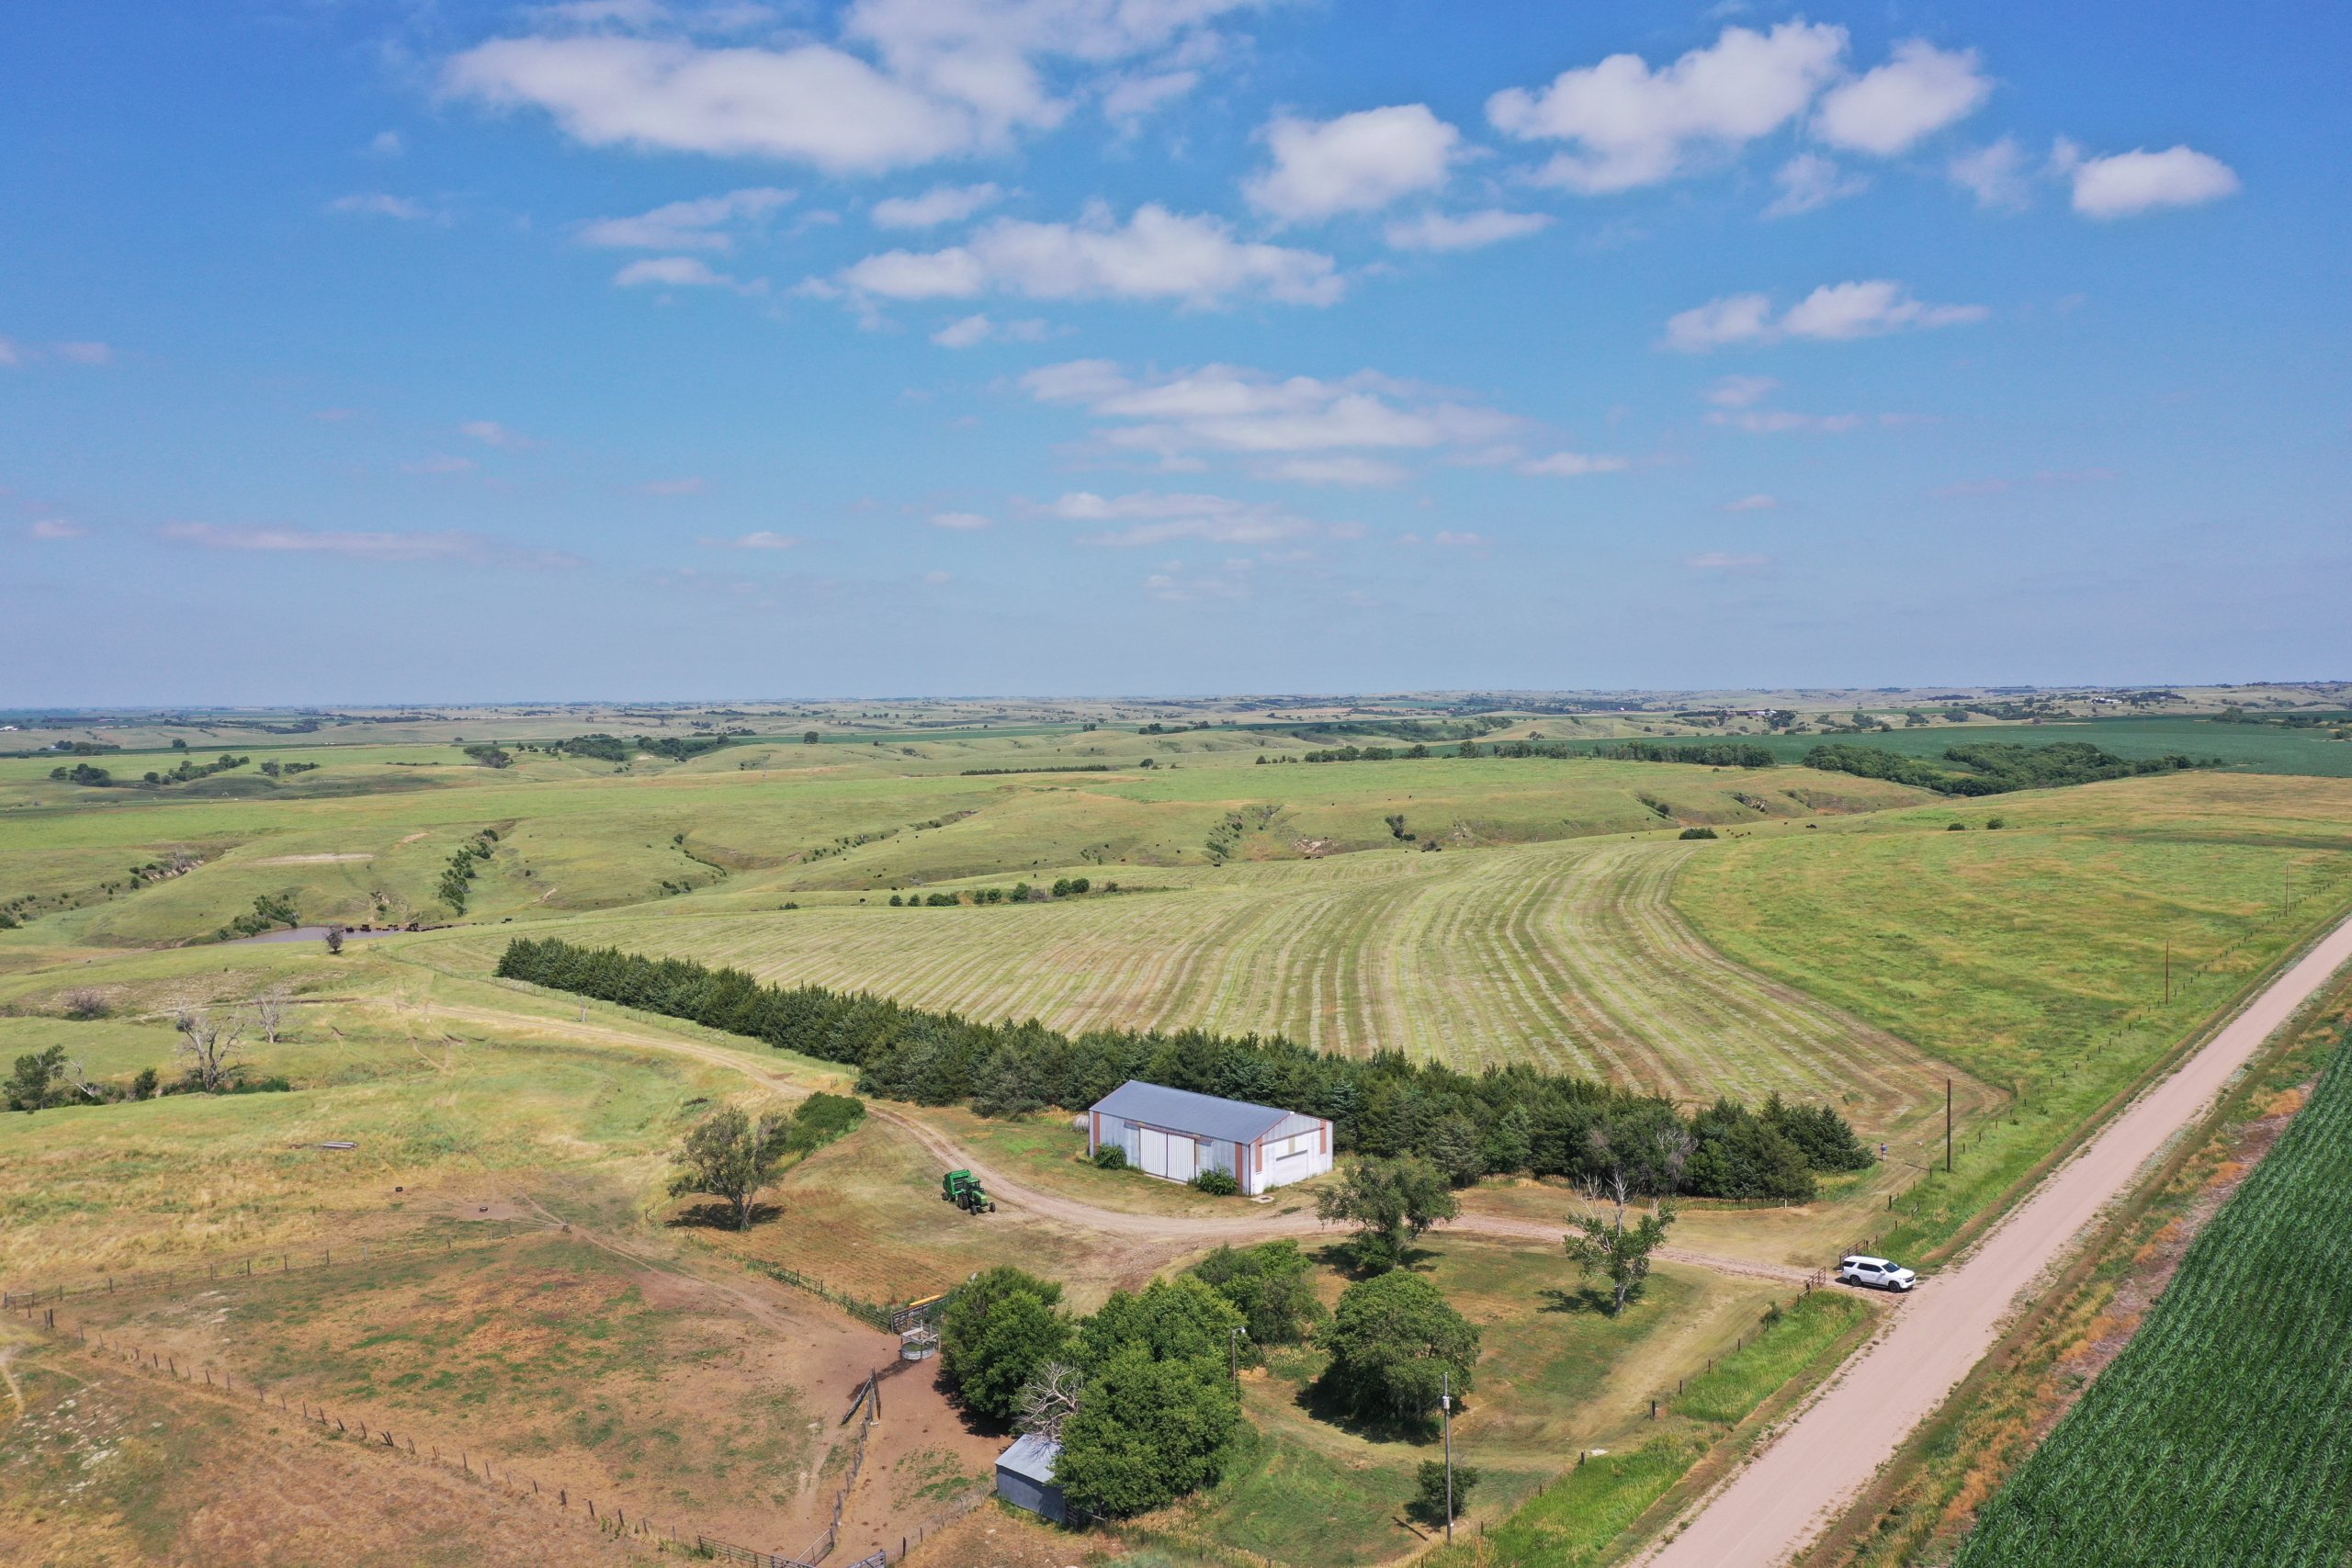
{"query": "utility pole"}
{"type": "Point", "coordinates": [2167, 974]}
{"type": "Point", "coordinates": [1947, 1126]}
{"type": "Point", "coordinates": [1233, 1337]}
{"type": "Point", "coordinates": [1445, 1403]}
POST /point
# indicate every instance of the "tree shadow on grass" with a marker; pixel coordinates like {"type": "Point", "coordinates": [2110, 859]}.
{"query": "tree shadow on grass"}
{"type": "Point", "coordinates": [717, 1214]}
{"type": "Point", "coordinates": [1583, 1300]}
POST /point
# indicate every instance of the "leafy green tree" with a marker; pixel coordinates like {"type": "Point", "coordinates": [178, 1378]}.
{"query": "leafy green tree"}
{"type": "Point", "coordinates": [1270, 1285]}
{"type": "Point", "coordinates": [1392, 1204]}
{"type": "Point", "coordinates": [1395, 1342]}
{"type": "Point", "coordinates": [1604, 1245]}
{"type": "Point", "coordinates": [34, 1082]}
{"type": "Point", "coordinates": [997, 1332]}
{"type": "Point", "coordinates": [729, 1155]}
{"type": "Point", "coordinates": [1147, 1432]}
{"type": "Point", "coordinates": [1429, 1497]}
{"type": "Point", "coordinates": [1176, 1319]}
{"type": "Point", "coordinates": [821, 1119]}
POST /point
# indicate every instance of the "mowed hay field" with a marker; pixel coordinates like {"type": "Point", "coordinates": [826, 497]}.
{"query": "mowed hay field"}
{"type": "Point", "coordinates": [1567, 953]}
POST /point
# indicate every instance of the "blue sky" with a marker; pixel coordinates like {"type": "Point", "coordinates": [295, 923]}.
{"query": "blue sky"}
{"type": "Point", "coordinates": [358, 353]}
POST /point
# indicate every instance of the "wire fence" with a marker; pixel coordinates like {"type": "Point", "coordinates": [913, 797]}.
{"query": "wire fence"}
{"type": "Point", "coordinates": [247, 1266]}
{"type": "Point", "coordinates": [612, 1520]}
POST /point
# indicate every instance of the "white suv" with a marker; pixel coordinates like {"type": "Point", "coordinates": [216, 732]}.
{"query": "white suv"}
{"type": "Point", "coordinates": [1878, 1273]}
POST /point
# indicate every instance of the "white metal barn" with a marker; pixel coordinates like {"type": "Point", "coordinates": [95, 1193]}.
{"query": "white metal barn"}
{"type": "Point", "coordinates": [1175, 1134]}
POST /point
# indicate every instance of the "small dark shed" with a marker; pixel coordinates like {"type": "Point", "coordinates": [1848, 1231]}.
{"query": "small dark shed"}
{"type": "Point", "coordinates": [1024, 1477]}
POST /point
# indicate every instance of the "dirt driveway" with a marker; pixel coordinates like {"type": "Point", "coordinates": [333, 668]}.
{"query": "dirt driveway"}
{"type": "Point", "coordinates": [1774, 1508]}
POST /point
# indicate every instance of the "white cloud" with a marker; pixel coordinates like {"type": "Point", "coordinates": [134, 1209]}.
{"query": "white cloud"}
{"type": "Point", "coordinates": [376, 204]}
{"type": "Point", "coordinates": [1156, 254]}
{"type": "Point", "coordinates": [56, 529]}
{"type": "Point", "coordinates": [680, 272]}
{"type": "Point", "coordinates": [1735, 318]}
{"type": "Point", "coordinates": [1630, 126]}
{"type": "Point", "coordinates": [971, 332]}
{"type": "Point", "coordinates": [1810, 181]}
{"type": "Point", "coordinates": [812, 104]}
{"type": "Point", "coordinates": [1465, 232]}
{"type": "Point", "coordinates": [2124, 184]}
{"type": "Point", "coordinates": [1357, 162]}
{"type": "Point", "coordinates": [1226, 408]}
{"type": "Point", "coordinates": [315, 541]}
{"type": "Point", "coordinates": [697, 225]}
{"type": "Point", "coordinates": [1724, 560]}
{"type": "Point", "coordinates": [1833, 312]}
{"type": "Point", "coordinates": [1174, 585]}
{"type": "Point", "coordinates": [1334, 471]}
{"type": "Point", "coordinates": [387, 144]}
{"type": "Point", "coordinates": [1994, 173]}
{"type": "Point", "coordinates": [1157, 518]}
{"type": "Point", "coordinates": [762, 540]}
{"type": "Point", "coordinates": [1130, 98]}
{"type": "Point", "coordinates": [490, 433]}
{"type": "Point", "coordinates": [1463, 540]}
{"type": "Point", "coordinates": [1758, 503]}
{"type": "Point", "coordinates": [691, 485]}
{"type": "Point", "coordinates": [941, 204]}
{"type": "Point", "coordinates": [1918, 92]}
{"type": "Point", "coordinates": [963, 522]}
{"type": "Point", "coordinates": [1741, 391]}
{"type": "Point", "coordinates": [1575, 464]}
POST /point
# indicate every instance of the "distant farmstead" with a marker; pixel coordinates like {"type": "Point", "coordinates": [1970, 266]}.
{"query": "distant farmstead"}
{"type": "Point", "coordinates": [1175, 1134]}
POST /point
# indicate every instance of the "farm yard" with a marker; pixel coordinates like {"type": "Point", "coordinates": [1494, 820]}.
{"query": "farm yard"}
{"type": "Point", "coordinates": [1835, 942]}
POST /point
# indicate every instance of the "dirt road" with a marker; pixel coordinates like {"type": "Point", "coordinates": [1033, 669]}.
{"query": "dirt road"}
{"type": "Point", "coordinates": [1147, 1241]}
{"type": "Point", "coordinates": [1776, 1507]}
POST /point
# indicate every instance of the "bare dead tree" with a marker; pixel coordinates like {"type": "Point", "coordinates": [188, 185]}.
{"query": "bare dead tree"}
{"type": "Point", "coordinates": [269, 1010]}
{"type": "Point", "coordinates": [86, 1002]}
{"type": "Point", "coordinates": [1049, 1399]}
{"type": "Point", "coordinates": [77, 1076]}
{"type": "Point", "coordinates": [210, 1042]}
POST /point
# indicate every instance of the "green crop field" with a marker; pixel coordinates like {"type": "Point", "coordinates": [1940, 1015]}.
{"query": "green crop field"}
{"type": "Point", "coordinates": [2253, 748]}
{"type": "Point", "coordinates": [2218, 1436]}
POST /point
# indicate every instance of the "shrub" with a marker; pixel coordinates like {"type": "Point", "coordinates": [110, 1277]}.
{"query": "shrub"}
{"type": "Point", "coordinates": [1110, 1156]}
{"type": "Point", "coordinates": [1429, 1497]}
{"type": "Point", "coordinates": [1216, 1183]}
{"type": "Point", "coordinates": [1270, 1285]}
{"type": "Point", "coordinates": [821, 1119]}
{"type": "Point", "coordinates": [1698, 833]}
{"type": "Point", "coordinates": [84, 1004]}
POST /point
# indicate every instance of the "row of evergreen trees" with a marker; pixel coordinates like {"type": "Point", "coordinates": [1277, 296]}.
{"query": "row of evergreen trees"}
{"type": "Point", "coordinates": [1506, 1120]}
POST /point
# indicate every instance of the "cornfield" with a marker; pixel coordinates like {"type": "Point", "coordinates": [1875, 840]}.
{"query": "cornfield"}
{"type": "Point", "coordinates": [2218, 1436]}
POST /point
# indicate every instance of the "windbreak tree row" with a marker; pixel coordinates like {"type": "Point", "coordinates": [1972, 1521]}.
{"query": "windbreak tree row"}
{"type": "Point", "coordinates": [1506, 1119]}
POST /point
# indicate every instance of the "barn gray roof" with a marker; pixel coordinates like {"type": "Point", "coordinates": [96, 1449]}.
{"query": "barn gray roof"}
{"type": "Point", "coordinates": [1032, 1456]}
{"type": "Point", "coordinates": [1181, 1111]}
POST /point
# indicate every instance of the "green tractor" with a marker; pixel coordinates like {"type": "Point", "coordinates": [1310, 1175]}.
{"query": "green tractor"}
{"type": "Point", "coordinates": [963, 1189]}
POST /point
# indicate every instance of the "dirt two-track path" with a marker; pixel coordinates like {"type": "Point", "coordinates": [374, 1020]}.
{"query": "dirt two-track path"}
{"type": "Point", "coordinates": [1776, 1508]}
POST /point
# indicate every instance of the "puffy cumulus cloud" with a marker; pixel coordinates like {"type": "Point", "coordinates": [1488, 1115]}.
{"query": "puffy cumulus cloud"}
{"type": "Point", "coordinates": [1155, 254]}
{"type": "Point", "coordinates": [1233, 409]}
{"type": "Point", "coordinates": [680, 272]}
{"type": "Point", "coordinates": [698, 225]}
{"type": "Point", "coordinates": [1357, 162]}
{"type": "Point", "coordinates": [1157, 518]}
{"type": "Point", "coordinates": [940, 204]}
{"type": "Point", "coordinates": [1833, 312]}
{"type": "Point", "coordinates": [1810, 181]}
{"type": "Point", "coordinates": [55, 528]}
{"type": "Point", "coordinates": [1573, 464]}
{"type": "Point", "coordinates": [2124, 184]}
{"type": "Point", "coordinates": [1464, 231]}
{"type": "Point", "coordinates": [812, 104]}
{"type": "Point", "coordinates": [907, 81]}
{"type": "Point", "coordinates": [971, 332]}
{"type": "Point", "coordinates": [961, 522]}
{"type": "Point", "coordinates": [1628, 125]}
{"type": "Point", "coordinates": [1920, 91]}
{"type": "Point", "coordinates": [1995, 175]}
